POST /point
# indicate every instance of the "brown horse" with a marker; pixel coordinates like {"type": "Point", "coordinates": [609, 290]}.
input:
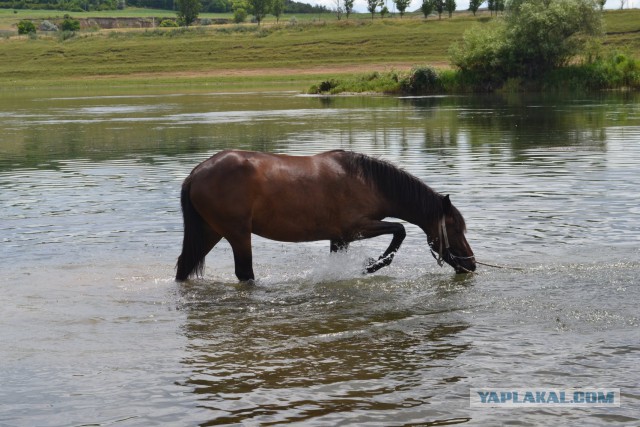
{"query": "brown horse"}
{"type": "Point", "coordinates": [339, 196]}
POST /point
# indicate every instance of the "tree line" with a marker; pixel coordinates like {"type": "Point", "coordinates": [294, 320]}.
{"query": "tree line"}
{"type": "Point", "coordinates": [210, 6]}
{"type": "Point", "coordinates": [224, 6]}
{"type": "Point", "coordinates": [68, 5]}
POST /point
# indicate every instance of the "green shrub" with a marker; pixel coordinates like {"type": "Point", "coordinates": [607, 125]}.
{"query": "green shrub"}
{"type": "Point", "coordinates": [26, 27]}
{"type": "Point", "coordinates": [421, 80]}
{"type": "Point", "coordinates": [535, 37]}
{"type": "Point", "coordinates": [168, 23]}
{"type": "Point", "coordinates": [614, 72]}
{"type": "Point", "coordinates": [66, 35]}
{"type": "Point", "coordinates": [327, 86]}
{"type": "Point", "coordinates": [482, 52]}
{"type": "Point", "coordinates": [372, 82]}
{"type": "Point", "coordinates": [69, 24]}
{"type": "Point", "coordinates": [239, 15]}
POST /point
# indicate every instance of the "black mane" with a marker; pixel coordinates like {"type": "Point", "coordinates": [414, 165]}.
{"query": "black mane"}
{"type": "Point", "coordinates": [399, 185]}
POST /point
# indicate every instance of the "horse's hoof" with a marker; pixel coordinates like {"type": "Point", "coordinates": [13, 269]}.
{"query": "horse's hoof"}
{"type": "Point", "coordinates": [370, 266]}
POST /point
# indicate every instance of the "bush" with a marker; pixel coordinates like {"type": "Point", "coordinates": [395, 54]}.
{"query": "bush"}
{"type": "Point", "coordinates": [239, 15]}
{"type": "Point", "coordinates": [168, 23]}
{"type": "Point", "coordinates": [482, 53]}
{"type": "Point", "coordinates": [327, 85]}
{"type": "Point", "coordinates": [48, 26]}
{"type": "Point", "coordinates": [69, 24]}
{"type": "Point", "coordinates": [421, 80]}
{"type": "Point", "coordinates": [66, 35]}
{"type": "Point", "coordinates": [535, 37]}
{"type": "Point", "coordinates": [26, 27]}
{"type": "Point", "coordinates": [372, 82]}
{"type": "Point", "coordinates": [613, 72]}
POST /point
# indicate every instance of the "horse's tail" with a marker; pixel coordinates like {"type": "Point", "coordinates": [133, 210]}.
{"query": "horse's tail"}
{"type": "Point", "coordinates": [191, 260]}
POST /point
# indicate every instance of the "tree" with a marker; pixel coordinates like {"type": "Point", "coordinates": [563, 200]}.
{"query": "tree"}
{"type": "Point", "coordinates": [259, 9]}
{"type": "Point", "coordinates": [439, 7]}
{"type": "Point", "coordinates": [474, 5]}
{"type": "Point", "coordinates": [188, 11]}
{"type": "Point", "coordinates": [26, 27]}
{"type": "Point", "coordinates": [277, 9]}
{"type": "Point", "coordinates": [534, 38]}
{"type": "Point", "coordinates": [402, 5]}
{"type": "Point", "coordinates": [348, 7]}
{"type": "Point", "coordinates": [498, 5]}
{"type": "Point", "coordinates": [601, 3]}
{"type": "Point", "coordinates": [427, 8]}
{"type": "Point", "coordinates": [339, 10]}
{"type": "Point", "coordinates": [450, 6]}
{"type": "Point", "coordinates": [372, 6]}
{"type": "Point", "coordinates": [239, 8]}
{"type": "Point", "coordinates": [216, 6]}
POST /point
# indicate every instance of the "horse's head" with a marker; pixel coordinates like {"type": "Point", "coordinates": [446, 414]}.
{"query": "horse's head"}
{"type": "Point", "coordinates": [449, 242]}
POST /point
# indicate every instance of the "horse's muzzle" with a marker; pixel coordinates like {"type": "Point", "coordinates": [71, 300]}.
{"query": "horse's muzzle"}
{"type": "Point", "coordinates": [465, 267]}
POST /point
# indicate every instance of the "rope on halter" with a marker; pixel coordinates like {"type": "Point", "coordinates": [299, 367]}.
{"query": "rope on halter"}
{"type": "Point", "coordinates": [500, 266]}
{"type": "Point", "coordinates": [444, 243]}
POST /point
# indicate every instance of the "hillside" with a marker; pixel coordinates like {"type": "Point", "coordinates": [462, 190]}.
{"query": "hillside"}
{"type": "Point", "coordinates": [287, 54]}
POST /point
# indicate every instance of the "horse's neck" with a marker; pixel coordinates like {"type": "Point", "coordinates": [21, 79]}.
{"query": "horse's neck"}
{"type": "Point", "coordinates": [415, 217]}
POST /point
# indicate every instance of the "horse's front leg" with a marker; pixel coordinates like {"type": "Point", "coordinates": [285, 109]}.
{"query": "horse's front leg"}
{"type": "Point", "coordinates": [378, 228]}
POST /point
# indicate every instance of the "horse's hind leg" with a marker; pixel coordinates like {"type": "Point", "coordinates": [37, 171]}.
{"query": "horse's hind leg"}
{"type": "Point", "coordinates": [242, 256]}
{"type": "Point", "coordinates": [194, 252]}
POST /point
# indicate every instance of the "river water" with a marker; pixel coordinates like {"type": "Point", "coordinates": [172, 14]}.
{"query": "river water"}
{"type": "Point", "coordinates": [94, 330]}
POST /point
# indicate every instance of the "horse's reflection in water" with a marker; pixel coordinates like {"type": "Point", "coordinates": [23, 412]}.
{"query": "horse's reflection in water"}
{"type": "Point", "coordinates": [339, 196]}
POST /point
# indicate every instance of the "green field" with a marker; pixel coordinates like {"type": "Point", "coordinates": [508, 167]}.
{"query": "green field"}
{"type": "Point", "coordinates": [241, 56]}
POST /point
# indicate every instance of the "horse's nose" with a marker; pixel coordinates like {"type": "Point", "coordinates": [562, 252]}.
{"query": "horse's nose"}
{"type": "Point", "coordinates": [466, 267]}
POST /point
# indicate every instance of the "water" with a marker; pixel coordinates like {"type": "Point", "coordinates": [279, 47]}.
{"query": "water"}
{"type": "Point", "coordinates": [95, 331]}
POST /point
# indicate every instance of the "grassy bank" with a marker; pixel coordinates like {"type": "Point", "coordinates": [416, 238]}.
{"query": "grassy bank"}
{"type": "Point", "coordinates": [245, 56]}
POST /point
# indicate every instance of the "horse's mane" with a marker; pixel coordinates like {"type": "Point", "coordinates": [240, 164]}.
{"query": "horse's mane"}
{"type": "Point", "coordinates": [399, 185]}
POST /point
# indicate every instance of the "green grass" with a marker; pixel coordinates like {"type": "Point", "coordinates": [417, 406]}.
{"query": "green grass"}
{"type": "Point", "coordinates": [244, 56]}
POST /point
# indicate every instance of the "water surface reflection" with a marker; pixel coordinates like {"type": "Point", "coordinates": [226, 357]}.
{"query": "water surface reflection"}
{"type": "Point", "coordinates": [355, 349]}
{"type": "Point", "coordinates": [95, 331]}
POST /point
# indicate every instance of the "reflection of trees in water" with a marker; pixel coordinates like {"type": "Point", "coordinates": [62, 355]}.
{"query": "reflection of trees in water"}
{"type": "Point", "coordinates": [103, 128]}
{"type": "Point", "coordinates": [516, 122]}
{"type": "Point", "coordinates": [310, 355]}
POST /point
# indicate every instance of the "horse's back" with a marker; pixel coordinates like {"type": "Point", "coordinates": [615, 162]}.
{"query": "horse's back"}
{"type": "Point", "coordinates": [281, 197]}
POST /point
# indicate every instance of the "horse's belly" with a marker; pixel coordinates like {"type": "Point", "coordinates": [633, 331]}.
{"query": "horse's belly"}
{"type": "Point", "coordinates": [304, 209]}
{"type": "Point", "coordinates": [302, 227]}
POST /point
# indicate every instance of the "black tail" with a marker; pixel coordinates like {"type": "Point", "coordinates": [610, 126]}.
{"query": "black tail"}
{"type": "Point", "coordinates": [194, 245]}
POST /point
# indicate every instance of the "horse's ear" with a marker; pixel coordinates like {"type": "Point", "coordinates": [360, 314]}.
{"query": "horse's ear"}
{"type": "Point", "coordinates": [446, 204]}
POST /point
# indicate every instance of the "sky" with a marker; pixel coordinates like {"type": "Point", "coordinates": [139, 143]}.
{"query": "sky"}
{"type": "Point", "coordinates": [361, 5]}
